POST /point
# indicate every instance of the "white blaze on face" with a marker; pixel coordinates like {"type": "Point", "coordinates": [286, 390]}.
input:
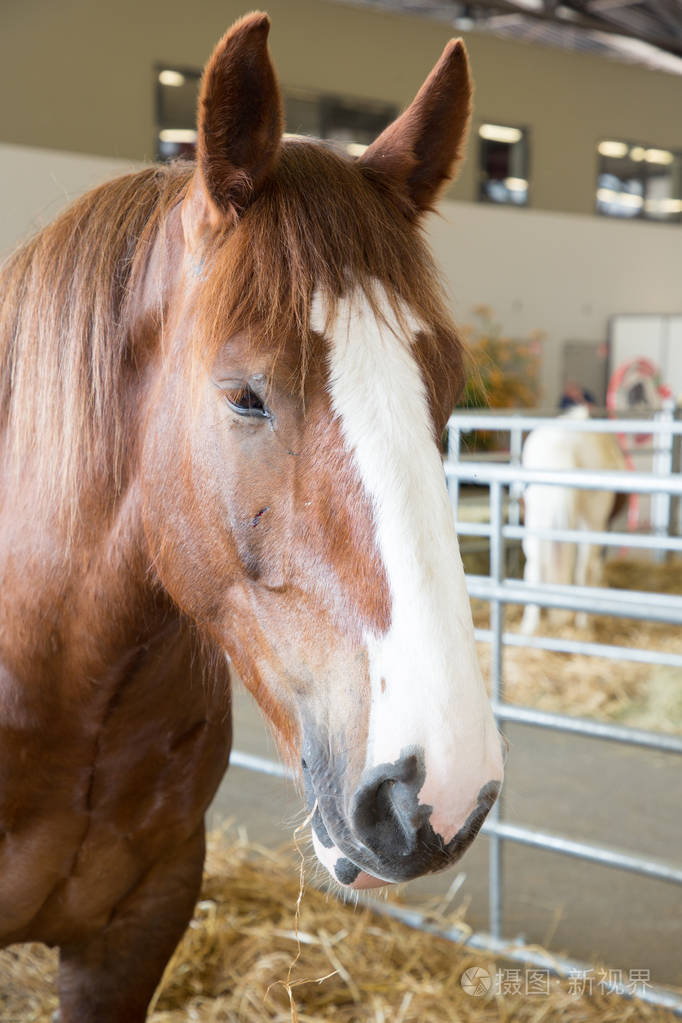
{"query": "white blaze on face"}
{"type": "Point", "coordinates": [426, 683]}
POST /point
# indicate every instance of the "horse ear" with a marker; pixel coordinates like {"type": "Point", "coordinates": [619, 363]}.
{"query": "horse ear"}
{"type": "Point", "coordinates": [239, 123]}
{"type": "Point", "coordinates": [419, 150]}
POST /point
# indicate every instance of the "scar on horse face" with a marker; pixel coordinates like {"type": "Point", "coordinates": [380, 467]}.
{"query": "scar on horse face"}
{"type": "Point", "coordinates": [156, 529]}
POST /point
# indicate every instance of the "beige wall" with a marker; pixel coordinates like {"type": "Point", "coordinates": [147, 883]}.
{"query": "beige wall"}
{"type": "Point", "coordinates": [39, 183]}
{"type": "Point", "coordinates": [77, 75]}
{"type": "Point", "coordinates": [565, 275]}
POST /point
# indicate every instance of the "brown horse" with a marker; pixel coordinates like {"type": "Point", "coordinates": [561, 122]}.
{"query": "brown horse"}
{"type": "Point", "coordinates": [222, 392]}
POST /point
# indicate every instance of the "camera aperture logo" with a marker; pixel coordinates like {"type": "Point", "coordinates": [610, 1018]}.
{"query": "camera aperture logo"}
{"type": "Point", "coordinates": [476, 981]}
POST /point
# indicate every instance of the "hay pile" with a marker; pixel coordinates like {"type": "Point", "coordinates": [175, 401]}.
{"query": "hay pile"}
{"type": "Point", "coordinates": [353, 967]}
{"type": "Point", "coordinates": [640, 695]}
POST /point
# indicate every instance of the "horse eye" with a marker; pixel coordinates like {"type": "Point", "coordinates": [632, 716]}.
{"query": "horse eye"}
{"type": "Point", "coordinates": [246, 402]}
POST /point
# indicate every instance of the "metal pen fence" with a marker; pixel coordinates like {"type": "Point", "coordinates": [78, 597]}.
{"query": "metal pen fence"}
{"type": "Point", "coordinates": [499, 591]}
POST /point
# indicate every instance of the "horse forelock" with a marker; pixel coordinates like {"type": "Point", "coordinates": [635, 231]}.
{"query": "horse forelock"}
{"type": "Point", "coordinates": [324, 225]}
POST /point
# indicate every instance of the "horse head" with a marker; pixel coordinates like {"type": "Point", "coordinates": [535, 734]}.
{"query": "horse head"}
{"type": "Point", "coordinates": [295, 500]}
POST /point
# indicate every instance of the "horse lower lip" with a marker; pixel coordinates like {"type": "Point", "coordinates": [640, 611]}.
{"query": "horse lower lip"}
{"type": "Point", "coordinates": [367, 881]}
{"type": "Point", "coordinates": [342, 867]}
{"type": "Point", "coordinates": [363, 879]}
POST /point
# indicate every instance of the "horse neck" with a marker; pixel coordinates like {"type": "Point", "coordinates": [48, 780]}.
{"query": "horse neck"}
{"type": "Point", "coordinates": [75, 611]}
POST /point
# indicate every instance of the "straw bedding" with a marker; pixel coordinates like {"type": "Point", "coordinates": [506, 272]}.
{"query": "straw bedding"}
{"type": "Point", "coordinates": [640, 695]}
{"type": "Point", "coordinates": [354, 967]}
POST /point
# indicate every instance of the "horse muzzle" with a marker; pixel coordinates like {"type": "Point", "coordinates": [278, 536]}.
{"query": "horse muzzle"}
{"type": "Point", "coordinates": [386, 835]}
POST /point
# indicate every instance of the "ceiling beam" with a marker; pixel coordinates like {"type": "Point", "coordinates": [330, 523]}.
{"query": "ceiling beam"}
{"type": "Point", "coordinates": [577, 18]}
{"type": "Point", "coordinates": [670, 12]}
{"type": "Point", "coordinates": [634, 18]}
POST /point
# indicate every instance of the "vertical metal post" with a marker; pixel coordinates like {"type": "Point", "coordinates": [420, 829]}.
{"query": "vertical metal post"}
{"type": "Point", "coordinates": [675, 524]}
{"type": "Point", "coordinates": [515, 491]}
{"type": "Point", "coordinates": [454, 447]}
{"type": "Point", "coordinates": [661, 504]}
{"type": "Point", "coordinates": [495, 882]}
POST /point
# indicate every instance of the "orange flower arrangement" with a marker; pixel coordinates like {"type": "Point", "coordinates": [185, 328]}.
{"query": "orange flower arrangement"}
{"type": "Point", "coordinates": [503, 371]}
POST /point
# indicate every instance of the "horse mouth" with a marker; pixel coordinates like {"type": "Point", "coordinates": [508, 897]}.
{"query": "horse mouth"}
{"type": "Point", "coordinates": [344, 870]}
{"type": "Point", "coordinates": [340, 866]}
{"type": "Point", "coordinates": [367, 854]}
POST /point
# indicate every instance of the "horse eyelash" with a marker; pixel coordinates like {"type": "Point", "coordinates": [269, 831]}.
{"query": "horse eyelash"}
{"type": "Point", "coordinates": [238, 387]}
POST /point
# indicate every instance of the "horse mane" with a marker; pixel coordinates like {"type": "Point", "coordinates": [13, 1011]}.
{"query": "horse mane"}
{"type": "Point", "coordinates": [65, 335]}
{"type": "Point", "coordinates": [68, 358]}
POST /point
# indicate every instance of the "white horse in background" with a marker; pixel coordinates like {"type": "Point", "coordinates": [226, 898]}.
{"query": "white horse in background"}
{"type": "Point", "coordinates": [552, 507]}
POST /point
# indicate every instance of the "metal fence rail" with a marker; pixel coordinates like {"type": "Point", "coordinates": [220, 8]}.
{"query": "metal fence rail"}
{"type": "Point", "coordinates": [664, 423]}
{"type": "Point", "coordinates": [666, 543]}
{"type": "Point", "coordinates": [659, 607]}
{"type": "Point", "coordinates": [586, 479]}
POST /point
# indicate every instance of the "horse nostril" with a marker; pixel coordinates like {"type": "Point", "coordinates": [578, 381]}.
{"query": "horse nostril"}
{"type": "Point", "coordinates": [395, 803]}
{"type": "Point", "coordinates": [386, 814]}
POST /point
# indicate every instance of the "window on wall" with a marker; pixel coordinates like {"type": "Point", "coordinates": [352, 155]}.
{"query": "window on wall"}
{"type": "Point", "coordinates": [638, 181]}
{"type": "Point", "coordinates": [176, 112]}
{"type": "Point", "coordinates": [503, 164]}
{"type": "Point", "coordinates": [349, 123]}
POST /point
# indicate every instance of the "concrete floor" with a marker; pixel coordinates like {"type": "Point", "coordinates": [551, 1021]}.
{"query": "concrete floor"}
{"type": "Point", "coordinates": [578, 787]}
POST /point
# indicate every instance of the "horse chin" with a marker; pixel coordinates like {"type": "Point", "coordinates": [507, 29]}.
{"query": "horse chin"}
{"type": "Point", "coordinates": [344, 871]}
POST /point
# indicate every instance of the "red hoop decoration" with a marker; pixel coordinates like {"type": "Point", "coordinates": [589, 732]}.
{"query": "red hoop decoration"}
{"type": "Point", "coordinates": [643, 369]}
{"type": "Point", "coordinates": [639, 368]}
